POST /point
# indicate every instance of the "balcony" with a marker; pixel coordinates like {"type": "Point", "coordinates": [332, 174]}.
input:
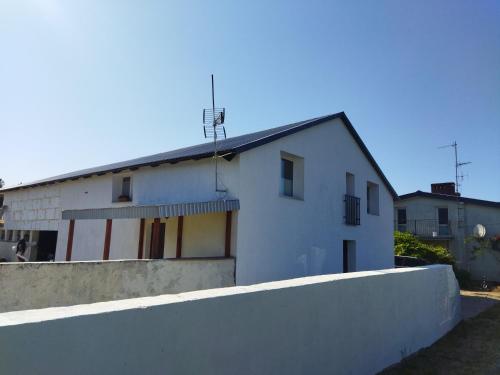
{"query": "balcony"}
{"type": "Point", "coordinates": [352, 211]}
{"type": "Point", "coordinates": [427, 229]}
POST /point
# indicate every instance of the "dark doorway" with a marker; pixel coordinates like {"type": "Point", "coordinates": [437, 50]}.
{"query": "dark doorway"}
{"type": "Point", "coordinates": [47, 241]}
{"type": "Point", "coordinates": [345, 256]}
{"type": "Point", "coordinates": [348, 256]}
{"type": "Point", "coordinates": [156, 252]}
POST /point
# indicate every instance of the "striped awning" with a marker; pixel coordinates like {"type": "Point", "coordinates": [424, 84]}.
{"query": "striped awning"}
{"type": "Point", "coordinates": [165, 210]}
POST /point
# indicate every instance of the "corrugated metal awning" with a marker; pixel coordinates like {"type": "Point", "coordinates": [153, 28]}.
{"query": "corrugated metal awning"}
{"type": "Point", "coordinates": [166, 210]}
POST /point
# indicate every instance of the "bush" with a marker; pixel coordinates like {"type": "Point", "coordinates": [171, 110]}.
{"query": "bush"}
{"type": "Point", "coordinates": [407, 244]}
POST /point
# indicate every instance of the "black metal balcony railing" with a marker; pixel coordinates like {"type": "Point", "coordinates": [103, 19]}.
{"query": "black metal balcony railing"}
{"type": "Point", "coordinates": [425, 228]}
{"type": "Point", "coordinates": [352, 210]}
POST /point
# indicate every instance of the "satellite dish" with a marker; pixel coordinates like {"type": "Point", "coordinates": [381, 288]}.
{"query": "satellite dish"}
{"type": "Point", "coordinates": [479, 231]}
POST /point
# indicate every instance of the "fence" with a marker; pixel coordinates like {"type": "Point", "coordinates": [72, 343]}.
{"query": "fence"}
{"type": "Point", "coordinates": [425, 228]}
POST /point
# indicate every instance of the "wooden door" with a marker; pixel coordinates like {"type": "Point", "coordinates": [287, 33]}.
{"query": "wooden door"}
{"type": "Point", "coordinates": [156, 250]}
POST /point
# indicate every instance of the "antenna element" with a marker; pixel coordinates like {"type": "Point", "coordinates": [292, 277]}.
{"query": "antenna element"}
{"type": "Point", "coordinates": [213, 120]}
{"type": "Point", "coordinates": [458, 165]}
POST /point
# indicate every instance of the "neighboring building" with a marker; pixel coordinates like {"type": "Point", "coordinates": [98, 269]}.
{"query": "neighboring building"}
{"type": "Point", "coordinates": [444, 218]}
{"type": "Point", "coordinates": [301, 199]}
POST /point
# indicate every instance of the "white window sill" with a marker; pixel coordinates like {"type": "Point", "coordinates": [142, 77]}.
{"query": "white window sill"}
{"type": "Point", "coordinates": [127, 203]}
{"type": "Point", "coordinates": [291, 198]}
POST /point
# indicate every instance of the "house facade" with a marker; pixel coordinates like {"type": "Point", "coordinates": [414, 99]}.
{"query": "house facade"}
{"type": "Point", "coordinates": [301, 199]}
{"type": "Point", "coordinates": [445, 218]}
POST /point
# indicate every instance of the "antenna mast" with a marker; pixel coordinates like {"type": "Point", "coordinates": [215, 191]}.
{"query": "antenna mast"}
{"type": "Point", "coordinates": [458, 165]}
{"type": "Point", "coordinates": [213, 120]}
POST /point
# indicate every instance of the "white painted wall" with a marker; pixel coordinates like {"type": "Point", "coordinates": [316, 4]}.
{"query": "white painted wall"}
{"type": "Point", "coordinates": [355, 323]}
{"type": "Point", "coordinates": [33, 209]}
{"type": "Point", "coordinates": [280, 237]}
{"type": "Point", "coordinates": [39, 285]}
{"type": "Point", "coordinates": [487, 264]}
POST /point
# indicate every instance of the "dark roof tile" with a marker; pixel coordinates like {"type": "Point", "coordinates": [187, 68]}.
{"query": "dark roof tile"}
{"type": "Point", "coordinates": [228, 147]}
{"type": "Point", "coordinates": [423, 194]}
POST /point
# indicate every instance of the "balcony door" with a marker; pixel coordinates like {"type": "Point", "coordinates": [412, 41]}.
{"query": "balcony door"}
{"type": "Point", "coordinates": [444, 228]}
{"type": "Point", "coordinates": [402, 219]}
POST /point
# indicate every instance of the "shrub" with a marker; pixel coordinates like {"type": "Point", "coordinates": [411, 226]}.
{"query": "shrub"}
{"type": "Point", "coordinates": [407, 244]}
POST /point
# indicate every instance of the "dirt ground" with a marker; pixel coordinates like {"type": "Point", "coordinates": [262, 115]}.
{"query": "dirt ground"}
{"type": "Point", "coordinates": [472, 347]}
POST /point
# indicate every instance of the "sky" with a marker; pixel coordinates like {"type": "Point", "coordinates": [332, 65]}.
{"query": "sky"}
{"type": "Point", "coordinates": [90, 82]}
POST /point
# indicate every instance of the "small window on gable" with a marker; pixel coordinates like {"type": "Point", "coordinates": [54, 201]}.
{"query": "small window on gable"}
{"type": "Point", "coordinates": [126, 187]}
{"type": "Point", "coordinates": [287, 177]}
{"type": "Point", "coordinates": [292, 176]}
{"type": "Point", "coordinates": [372, 198]}
{"type": "Point", "coordinates": [122, 189]}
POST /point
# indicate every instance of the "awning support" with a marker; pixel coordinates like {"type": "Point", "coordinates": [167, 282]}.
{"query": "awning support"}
{"type": "Point", "coordinates": [107, 239]}
{"type": "Point", "coordinates": [180, 226]}
{"type": "Point", "coordinates": [69, 246]}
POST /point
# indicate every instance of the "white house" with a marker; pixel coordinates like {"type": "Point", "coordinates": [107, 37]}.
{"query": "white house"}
{"type": "Point", "coordinates": [445, 218]}
{"type": "Point", "coordinates": [300, 199]}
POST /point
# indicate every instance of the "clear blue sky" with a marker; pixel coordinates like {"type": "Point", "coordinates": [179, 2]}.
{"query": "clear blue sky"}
{"type": "Point", "coordinates": [84, 83]}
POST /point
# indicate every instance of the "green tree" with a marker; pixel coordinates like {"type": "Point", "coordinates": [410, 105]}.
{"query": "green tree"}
{"type": "Point", "coordinates": [407, 244]}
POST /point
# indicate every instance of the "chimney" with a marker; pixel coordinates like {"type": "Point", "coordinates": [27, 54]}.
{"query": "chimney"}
{"type": "Point", "coordinates": [447, 188]}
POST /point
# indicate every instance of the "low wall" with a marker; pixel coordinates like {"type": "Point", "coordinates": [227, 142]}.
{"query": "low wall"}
{"type": "Point", "coordinates": [37, 285]}
{"type": "Point", "coordinates": [485, 266]}
{"type": "Point", "coordinates": [356, 323]}
{"type": "Point", "coordinates": [6, 251]}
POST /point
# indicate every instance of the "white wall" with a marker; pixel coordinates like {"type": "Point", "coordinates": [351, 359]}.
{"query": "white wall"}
{"type": "Point", "coordinates": [356, 323]}
{"type": "Point", "coordinates": [33, 209]}
{"type": "Point", "coordinates": [38, 285]}
{"type": "Point", "coordinates": [487, 263]}
{"type": "Point", "coordinates": [280, 237]}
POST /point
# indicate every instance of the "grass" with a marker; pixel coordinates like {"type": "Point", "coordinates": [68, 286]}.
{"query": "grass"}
{"type": "Point", "coordinates": [472, 347]}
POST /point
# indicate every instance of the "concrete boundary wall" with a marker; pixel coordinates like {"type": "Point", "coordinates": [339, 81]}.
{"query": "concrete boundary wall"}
{"type": "Point", "coordinates": [356, 323]}
{"type": "Point", "coordinates": [47, 284]}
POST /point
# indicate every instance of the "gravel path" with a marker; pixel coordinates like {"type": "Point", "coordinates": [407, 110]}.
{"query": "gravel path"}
{"type": "Point", "coordinates": [474, 303]}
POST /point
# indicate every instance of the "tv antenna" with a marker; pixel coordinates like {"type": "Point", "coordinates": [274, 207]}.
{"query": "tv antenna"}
{"type": "Point", "coordinates": [458, 166]}
{"type": "Point", "coordinates": [213, 120]}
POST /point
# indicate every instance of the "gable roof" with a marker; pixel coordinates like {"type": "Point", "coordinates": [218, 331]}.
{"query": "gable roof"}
{"type": "Point", "coordinates": [423, 194]}
{"type": "Point", "coordinates": [229, 148]}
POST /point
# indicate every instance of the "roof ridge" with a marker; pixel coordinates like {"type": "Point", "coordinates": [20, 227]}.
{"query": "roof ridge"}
{"type": "Point", "coordinates": [229, 146]}
{"type": "Point", "coordinates": [419, 193]}
{"type": "Point", "coordinates": [85, 171]}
